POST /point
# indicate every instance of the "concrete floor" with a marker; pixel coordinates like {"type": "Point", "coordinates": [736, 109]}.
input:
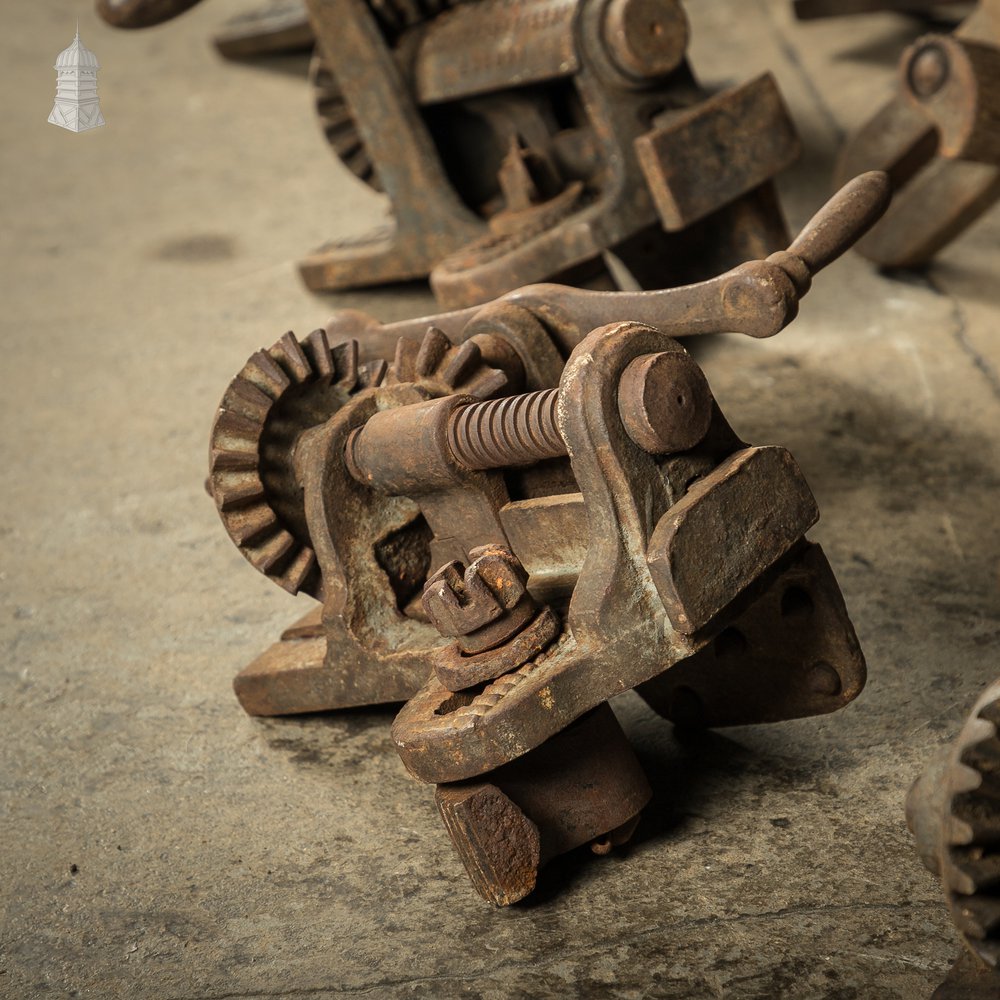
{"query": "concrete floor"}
{"type": "Point", "coordinates": [157, 843]}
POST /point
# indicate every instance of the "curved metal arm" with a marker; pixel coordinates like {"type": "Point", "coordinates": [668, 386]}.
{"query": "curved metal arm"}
{"type": "Point", "coordinates": [758, 298]}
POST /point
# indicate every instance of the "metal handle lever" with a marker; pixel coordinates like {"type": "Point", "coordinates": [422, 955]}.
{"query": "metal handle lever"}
{"type": "Point", "coordinates": [758, 298]}
{"type": "Point", "coordinates": [843, 220]}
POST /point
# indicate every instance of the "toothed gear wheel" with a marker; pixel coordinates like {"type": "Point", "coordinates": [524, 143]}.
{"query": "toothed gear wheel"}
{"type": "Point", "coordinates": [971, 833]}
{"type": "Point", "coordinates": [336, 119]}
{"type": "Point", "coordinates": [283, 391]}
{"type": "Point", "coordinates": [338, 123]}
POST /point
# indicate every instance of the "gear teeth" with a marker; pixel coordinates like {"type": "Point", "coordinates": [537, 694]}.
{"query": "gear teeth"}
{"type": "Point", "coordinates": [462, 364]}
{"type": "Point", "coordinates": [262, 411]}
{"type": "Point", "coordinates": [345, 360]}
{"type": "Point", "coordinates": [317, 346]}
{"type": "Point", "coordinates": [444, 368]}
{"type": "Point", "coordinates": [338, 124]}
{"type": "Point", "coordinates": [371, 373]}
{"type": "Point", "coordinates": [976, 917]}
{"type": "Point", "coordinates": [972, 869]}
{"type": "Point", "coordinates": [336, 119]}
{"type": "Point", "coordinates": [247, 526]}
{"type": "Point", "coordinates": [336, 116]}
{"type": "Point", "coordinates": [266, 374]}
{"type": "Point", "coordinates": [487, 384]}
{"type": "Point", "coordinates": [222, 460]}
{"type": "Point", "coordinates": [970, 856]}
{"type": "Point", "coordinates": [984, 758]}
{"type": "Point", "coordinates": [269, 555]}
{"type": "Point", "coordinates": [301, 567]}
{"type": "Point", "coordinates": [975, 820]}
{"type": "Point", "coordinates": [232, 426]}
{"type": "Point", "coordinates": [240, 494]}
{"type": "Point", "coordinates": [433, 348]}
{"type": "Point", "coordinates": [290, 356]}
{"type": "Point", "coordinates": [247, 400]}
{"type": "Point", "coordinates": [404, 367]}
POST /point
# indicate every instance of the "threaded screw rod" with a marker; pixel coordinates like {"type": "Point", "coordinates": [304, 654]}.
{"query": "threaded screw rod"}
{"type": "Point", "coordinates": [514, 430]}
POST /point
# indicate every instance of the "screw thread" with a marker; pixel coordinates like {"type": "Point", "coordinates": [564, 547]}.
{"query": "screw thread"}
{"type": "Point", "coordinates": [515, 430]}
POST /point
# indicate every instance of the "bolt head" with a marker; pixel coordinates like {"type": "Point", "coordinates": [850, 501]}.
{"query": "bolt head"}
{"type": "Point", "coordinates": [502, 573]}
{"type": "Point", "coordinates": [457, 602]}
{"type": "Point", "coordinates": [664, 402]}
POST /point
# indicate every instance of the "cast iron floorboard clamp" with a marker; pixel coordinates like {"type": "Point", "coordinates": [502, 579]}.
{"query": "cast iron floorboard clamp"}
{"type": "Point", "coordinates": [538, 537]}
{"type": "Point", "coordinates": [953, 810]}
{"type": "Point", "coordinates": [525, 140]}
{"type": "Point", "coordinates": [286, 496]}
{"type": "Point", "coordinates": [939, 140]}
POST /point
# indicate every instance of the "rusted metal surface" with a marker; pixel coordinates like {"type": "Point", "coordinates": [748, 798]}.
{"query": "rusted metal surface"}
{"type": "Point", "coordinates": [788, 639]}
{"type": "Point", "coordinates": [953, 810]}
{"type": "Point", "coordinates": [939, 140]}
{"type": "Point", "coordinates": [696, 159]}
{"type": "Point", "coordinates": [507, 138]}
{"type": "Point", "coordinates": [546, 322]}
{"type": "Point", "coordinates": [584, 786]}
{"type": "Point", "coordinates": [355, 481]}
{"type": "Point", "coordinates": [696, 583]}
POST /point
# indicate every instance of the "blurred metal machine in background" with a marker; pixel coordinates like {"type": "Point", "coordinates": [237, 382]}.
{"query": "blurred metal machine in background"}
{"type": "Point", "coordinates": [525, 140]}
{"type": "Point", "coordinates": [939, 140]}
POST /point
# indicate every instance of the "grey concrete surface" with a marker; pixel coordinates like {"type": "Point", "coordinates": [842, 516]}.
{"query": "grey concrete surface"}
{"type": "Point", "coordinates": [156, 843]}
